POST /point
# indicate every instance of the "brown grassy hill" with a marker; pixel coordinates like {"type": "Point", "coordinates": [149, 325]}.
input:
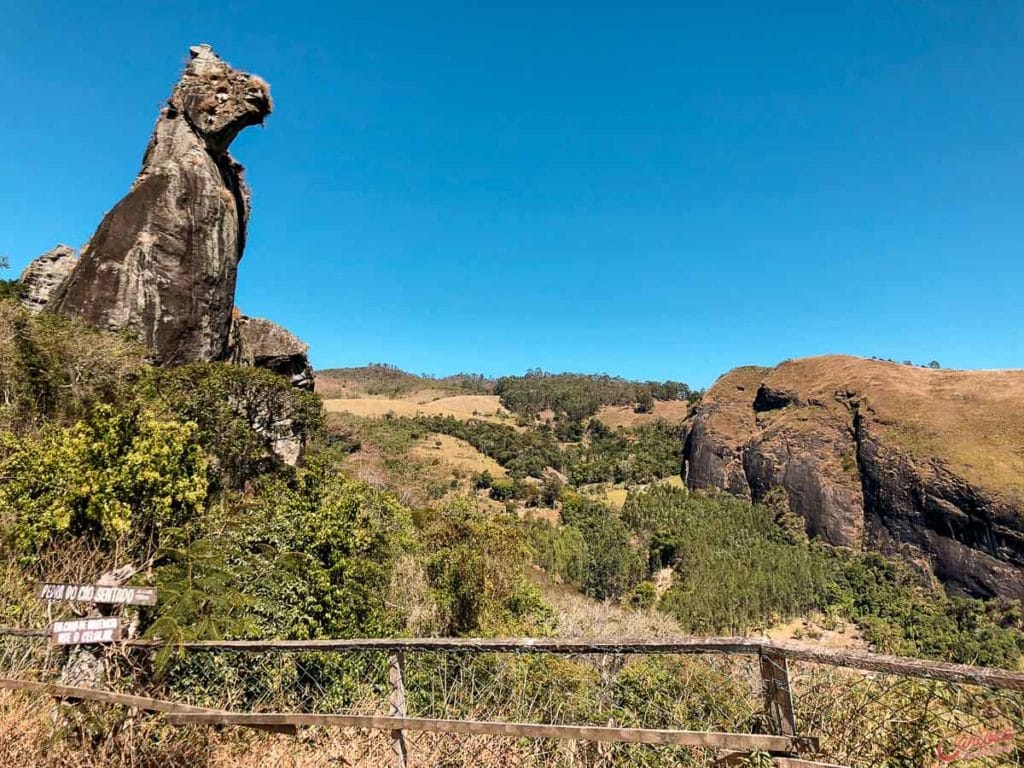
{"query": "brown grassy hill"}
{"type": "Point", "coordinates": [872, 453]}
{"type": "Point", "coordinates": [382, 380]}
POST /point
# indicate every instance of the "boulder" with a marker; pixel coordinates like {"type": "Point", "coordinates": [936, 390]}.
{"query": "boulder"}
{"type": "Point", "coordinates": [262, 343]}
{"type": "Point", "coordinates": [163, 262]}
{"type": "Point", "coordinates": [44, 275]}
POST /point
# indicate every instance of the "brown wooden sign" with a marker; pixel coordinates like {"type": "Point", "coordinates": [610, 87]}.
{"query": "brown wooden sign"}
{"type": "Point", "coordinates": [95, 593]}
{"type": "Point", "coordinates": [104, 629]}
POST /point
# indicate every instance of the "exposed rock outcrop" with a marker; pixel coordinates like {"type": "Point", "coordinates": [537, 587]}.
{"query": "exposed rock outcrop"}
{"type": "Point", "coordinates": [163, 262]}
{"type": "Point", "coordinates": [871, 454]}
{"type": "Point", "coordinates": [44, 275]}
{"type": "Point", "coordinates": [261, 343]}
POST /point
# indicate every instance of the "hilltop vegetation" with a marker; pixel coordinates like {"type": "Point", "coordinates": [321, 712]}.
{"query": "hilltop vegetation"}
{"type": "Point", "coordinates": [382, 379]}
{"type": "Point", "coordinates": [573, 397]}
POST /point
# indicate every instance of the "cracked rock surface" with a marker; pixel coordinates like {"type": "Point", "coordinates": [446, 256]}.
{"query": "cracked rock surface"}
{"type": "Point", "coordinates": [45, 275]}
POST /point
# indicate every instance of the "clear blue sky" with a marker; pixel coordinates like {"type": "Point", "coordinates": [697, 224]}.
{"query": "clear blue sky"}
{"type": "Point", "coordinates": [653, 190]}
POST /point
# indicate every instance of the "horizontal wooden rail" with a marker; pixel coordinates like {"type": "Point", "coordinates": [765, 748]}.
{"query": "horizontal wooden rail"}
{"type": "Point", "coordinates": [483, 645]}
{"type": "Point", "coordinates": [999, 679]}
{"type": "Point", "coordinates": [15, 632]}
{"type": "Point", "coordinates": [867, 662]}
{"type": "Point", "coordinates": [143, 703]}
{"type": "Point", "coordinates": [711, 739]}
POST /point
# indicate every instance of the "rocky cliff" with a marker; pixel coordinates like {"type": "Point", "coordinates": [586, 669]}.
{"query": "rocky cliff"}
{"type": "Point", "coordinates": [163, 261]}
{"type": "Point", "coordinates": [45, 275]}
{"type": "Point", "coordinates": [912, 461]}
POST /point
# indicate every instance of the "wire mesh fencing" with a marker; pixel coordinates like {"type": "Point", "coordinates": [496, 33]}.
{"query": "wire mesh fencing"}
{"type": "Point", "coordinates": [861, 718]}
{"type": "Point", "coordinates": [878, 719]}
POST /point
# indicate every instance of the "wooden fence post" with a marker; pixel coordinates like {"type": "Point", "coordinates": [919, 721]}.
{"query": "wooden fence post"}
{"type": "Point", "coordinates": [778, 699]}
{"type": "Point", "coordinates": [397, 708]}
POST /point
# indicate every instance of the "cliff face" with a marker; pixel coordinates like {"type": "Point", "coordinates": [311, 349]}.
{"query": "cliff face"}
{"type": "Point", "coordinates": [924, 463]}
{"type": "Point", "coordinates": [163, 262]}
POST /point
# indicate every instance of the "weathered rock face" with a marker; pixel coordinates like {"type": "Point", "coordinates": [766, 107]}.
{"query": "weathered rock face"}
{"type": "Point", "coordinates": [163, 262]}
{"type": "Point", "coordinates": [261, 343]}
{"type": "Point", "coordinates": [45, 274]}
{"type": "Point", "coordinates": [877, 455]}
{"type": "Point", "coordinates": [264, 344]}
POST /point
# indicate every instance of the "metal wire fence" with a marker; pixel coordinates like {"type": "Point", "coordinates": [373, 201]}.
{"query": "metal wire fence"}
{"type": "Point", "coordinates": [861, 717]}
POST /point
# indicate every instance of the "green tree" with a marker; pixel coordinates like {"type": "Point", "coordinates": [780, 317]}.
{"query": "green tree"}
{"type": "Point", "coordinates": [476, 565]}
{"type": "Point", "coordinates": [644, 401]}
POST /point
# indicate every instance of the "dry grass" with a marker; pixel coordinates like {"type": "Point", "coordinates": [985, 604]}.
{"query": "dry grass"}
{"type": "Point", "coordinates": [580, 616]}
{"type": "Point", "coordinates": [455, 454]}
{"type": "Point", "coordinates": [836, 635]}
{"type": "Point", "coordinates": [30, 736]}
{"type": "Point", "coordinates": [616, 416]}
{"type": "Point", "coordinates": [971, 420]}
{"type": "Point", "coordinates": [484, 407]}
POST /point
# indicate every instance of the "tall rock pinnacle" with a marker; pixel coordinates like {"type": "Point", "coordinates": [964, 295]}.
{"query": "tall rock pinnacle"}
{"type": "Point", "coordinates": [163, 262]}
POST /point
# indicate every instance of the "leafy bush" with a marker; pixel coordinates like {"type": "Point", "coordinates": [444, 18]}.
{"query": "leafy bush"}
{"type": "Point", "coordinates": [899, 615]}
{"type": "Point", "coordinates": [239, 411]}
{"type": "Point", "coordinates": [307, 557]}
{"type": "Point", "coordinates": [116, 476]}
{"type": "Point", "coordinates": [475, 565]}
{"type": "Point", "coordinates": [55, 369]}
{"type": "Point", "coordinates": [559, 550]}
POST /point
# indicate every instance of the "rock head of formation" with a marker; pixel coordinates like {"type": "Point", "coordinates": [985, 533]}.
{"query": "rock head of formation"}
{"type": "Point", "coordinates": [164, 260]}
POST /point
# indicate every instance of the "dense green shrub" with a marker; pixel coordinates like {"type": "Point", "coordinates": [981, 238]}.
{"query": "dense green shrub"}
{"type": "Point", "coordinates": [239, 412]}
{"type": "Point", "coordinates": [55, 369]}
{"type": "Point", "coordinates": [116, 477]}
{"type": "Point", "coordinates": [899, 615]}
{"type": "Point", "coordinates": [475, 564]}
{"type": "Point", "coordinates": [560, 550]}
{"type": "Point", "coordinates": [310, 556]}
{"type": "Point", "coordinates": [575, 396]}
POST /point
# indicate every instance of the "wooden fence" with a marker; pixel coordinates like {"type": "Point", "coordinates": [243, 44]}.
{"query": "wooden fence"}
{"type": "Point", "coordinates": [784, 742]}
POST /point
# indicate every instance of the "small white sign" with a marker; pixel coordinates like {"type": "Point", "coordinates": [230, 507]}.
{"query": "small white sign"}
{"type": "Point", "coordinates": [106, 629]}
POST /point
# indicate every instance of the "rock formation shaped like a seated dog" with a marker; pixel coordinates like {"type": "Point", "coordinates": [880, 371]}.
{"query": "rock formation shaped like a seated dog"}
{"type": "Point", "coordinates": [163, 262]}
